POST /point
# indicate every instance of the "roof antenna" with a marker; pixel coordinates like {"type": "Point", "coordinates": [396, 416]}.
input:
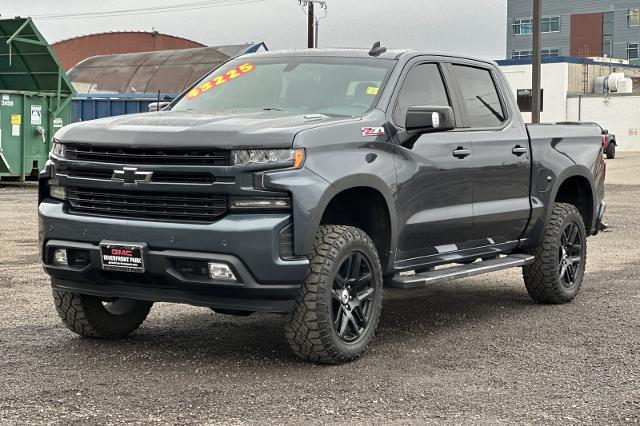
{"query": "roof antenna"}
{"type": "Point", "coordinates": [377, 49]}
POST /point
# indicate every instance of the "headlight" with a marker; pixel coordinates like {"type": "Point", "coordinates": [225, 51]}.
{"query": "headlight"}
{"type": "Point", "coordinates": [276, 157]}
{"type": "Point", "coordinates": [58, 150]}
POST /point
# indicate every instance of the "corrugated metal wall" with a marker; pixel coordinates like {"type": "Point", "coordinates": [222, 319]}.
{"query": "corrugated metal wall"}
{"type": "Point", "coordinates": [85, 108]}
{"type": "Point", "coordinates": [74, 50]}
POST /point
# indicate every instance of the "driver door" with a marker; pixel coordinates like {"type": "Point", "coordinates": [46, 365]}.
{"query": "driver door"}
{"type": "Point", "coordinates": [435, 186]}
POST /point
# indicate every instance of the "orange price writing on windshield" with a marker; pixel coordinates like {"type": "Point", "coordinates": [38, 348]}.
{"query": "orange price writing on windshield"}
{"type": "Point", "coordinates": [219, 80]}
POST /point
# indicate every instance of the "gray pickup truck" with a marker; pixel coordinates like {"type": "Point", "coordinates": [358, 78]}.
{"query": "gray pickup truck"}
{"type": "Point", "coordinates": [302, 183]}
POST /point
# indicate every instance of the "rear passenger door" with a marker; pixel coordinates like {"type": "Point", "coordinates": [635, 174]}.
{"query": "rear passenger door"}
{"type": "Point", "coordinates": [501, 171]}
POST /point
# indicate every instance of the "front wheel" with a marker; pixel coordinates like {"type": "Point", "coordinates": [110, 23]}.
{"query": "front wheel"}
{"type": "Point", "coordinates": [557, 272]}
{"type": "Point", "coordinates": [91, 316]}
{"type": "Point", "coordinates": [338, 307]}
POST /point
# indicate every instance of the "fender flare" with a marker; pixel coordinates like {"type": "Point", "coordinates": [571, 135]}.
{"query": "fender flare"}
{"type": "Point", "coordinates": [576, 170]}
{"type": "Point", "coordinates": [352, 182]}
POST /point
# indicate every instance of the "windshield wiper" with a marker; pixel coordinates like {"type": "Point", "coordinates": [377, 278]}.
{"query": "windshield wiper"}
{"type": "Point", "coordinates": [272, 109]}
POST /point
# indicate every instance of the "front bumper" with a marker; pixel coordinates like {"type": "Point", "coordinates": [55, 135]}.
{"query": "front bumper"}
{"type": "Point", "coordinates": [250, 244]}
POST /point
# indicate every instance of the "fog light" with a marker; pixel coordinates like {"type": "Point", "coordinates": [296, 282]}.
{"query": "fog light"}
{"type": "Point", "coordinates": [58, 192]}
{"type": "Point", "coordinates": [221, 271]}
{"type": "Point", "coordinates": [60, 257]}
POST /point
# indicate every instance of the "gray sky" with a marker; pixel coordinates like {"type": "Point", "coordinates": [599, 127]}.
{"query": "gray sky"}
{"type": "Point", "coordinates": [473, 27]}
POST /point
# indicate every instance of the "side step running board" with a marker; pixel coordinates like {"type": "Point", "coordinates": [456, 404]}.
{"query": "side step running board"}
{"type": "Point", "coordinates": [461, 271]}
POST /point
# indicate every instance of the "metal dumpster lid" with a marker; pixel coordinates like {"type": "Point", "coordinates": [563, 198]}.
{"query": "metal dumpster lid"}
{"type": "Point", "coordinates": [28, 64]}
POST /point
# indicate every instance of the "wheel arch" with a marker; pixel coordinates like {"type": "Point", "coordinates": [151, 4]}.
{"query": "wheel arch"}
{"type": "Point", "coordinates": [575, 186]}
{"type": "Point", "coordinates": [363, 202]}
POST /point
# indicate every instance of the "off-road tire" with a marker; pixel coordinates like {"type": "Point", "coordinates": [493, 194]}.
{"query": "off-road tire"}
{"type": "Point", "coordinates": [611, 151]}
{"type": "Point", "coordinates": [310, 328]}
{"type": "Point", "coordinates": [87, 316]}
{"type": "Point", "coordinates": [542, 278]}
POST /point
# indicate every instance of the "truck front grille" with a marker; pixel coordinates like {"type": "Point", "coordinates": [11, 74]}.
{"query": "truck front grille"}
{"type": "Point", "coordinates": [179, 207]}
{"type": "Point", "coordinates": [164, 156]}
{"type": "Point", "coordinates": [160, 177]}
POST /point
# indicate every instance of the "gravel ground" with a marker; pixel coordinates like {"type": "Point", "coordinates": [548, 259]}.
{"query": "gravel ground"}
{"type": "Point", "coordinates": [474, 351]}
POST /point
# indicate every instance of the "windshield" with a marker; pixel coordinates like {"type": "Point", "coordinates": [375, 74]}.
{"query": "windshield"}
{"type": "Point", "coordinates": [301, 85]}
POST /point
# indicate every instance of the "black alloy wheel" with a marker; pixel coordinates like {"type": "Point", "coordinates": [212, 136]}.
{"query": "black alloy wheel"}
{"type": "Point", "coordinates": [558, 270]}
{"type": "Point", "coordinates": [352, 297]}
{"type": "Point", "coordinates": [337, 309]}
{"type": "Point", "coordinates": [570, 254]}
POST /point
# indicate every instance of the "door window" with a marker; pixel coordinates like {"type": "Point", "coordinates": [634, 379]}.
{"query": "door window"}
{"type": "Point", "coordinates": [423, 86]}
{"type": "Point", "coordinates": [480, 96]}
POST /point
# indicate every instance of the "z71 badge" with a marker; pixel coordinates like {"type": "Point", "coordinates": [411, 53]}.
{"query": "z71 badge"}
{"type": "Point", "coordinates": [373, 131]}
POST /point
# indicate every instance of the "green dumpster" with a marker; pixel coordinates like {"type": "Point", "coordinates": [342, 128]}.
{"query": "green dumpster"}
{"type": "Point", "coordinates": [35, 98]}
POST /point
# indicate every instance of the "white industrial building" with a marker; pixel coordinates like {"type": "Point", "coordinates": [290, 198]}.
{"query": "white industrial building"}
{"type": "Point", "coordinates": [579, 89]}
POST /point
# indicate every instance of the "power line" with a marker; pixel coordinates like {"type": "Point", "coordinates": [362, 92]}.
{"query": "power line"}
{"type": "Point", "coordinates": [147, 10]}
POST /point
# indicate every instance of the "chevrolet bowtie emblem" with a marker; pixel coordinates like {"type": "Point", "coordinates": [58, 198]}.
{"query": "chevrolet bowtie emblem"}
{"type": "Point", "coordinates": [131, 176]}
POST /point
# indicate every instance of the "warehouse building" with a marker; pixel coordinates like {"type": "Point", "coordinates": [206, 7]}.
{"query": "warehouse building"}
{"type": "Point", "coordinates": [579, 89]}
{"type": "Point", "coordinates": [71, 51]}
{"type": "Point", "coordinates": [585, 28]}
{"type": "Point", "coordinates": [109, 85]}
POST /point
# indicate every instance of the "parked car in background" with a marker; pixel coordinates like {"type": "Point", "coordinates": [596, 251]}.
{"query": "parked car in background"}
{"type": "Point", "coordinates": [608, 139]}
{"type": "Point", "coordinates": [301, 182]}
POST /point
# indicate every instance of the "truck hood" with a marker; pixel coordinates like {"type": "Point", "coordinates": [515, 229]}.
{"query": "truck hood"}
{"type": "Point", "coordinates": [267, 129]}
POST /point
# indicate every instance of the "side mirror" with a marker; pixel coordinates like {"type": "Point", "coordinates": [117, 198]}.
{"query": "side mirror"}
{"type": "Point", "coordinates": [156, 106]}
{"type": "Point", "coordinates": [429, 119]}
{"type": "Point", "coordinates": [605, 132]}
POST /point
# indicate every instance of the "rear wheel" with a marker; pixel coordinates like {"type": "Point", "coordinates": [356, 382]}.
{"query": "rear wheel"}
{"type": "Point", "coordinates": [92, 316]}
{"type": "Point", "coordinates": [557, 272]}
{"type": "Point", "coordinates": [611, 151]}
{"type": "Point", "coordinates": [338, 307]}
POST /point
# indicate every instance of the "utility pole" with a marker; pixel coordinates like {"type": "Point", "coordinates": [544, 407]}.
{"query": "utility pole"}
{"type": "Point", "coordinates": [310, 25]}
{"type": "Point", "coordinates": [536, 63]}
{"type": "Point", "coordinates": [313, 21]}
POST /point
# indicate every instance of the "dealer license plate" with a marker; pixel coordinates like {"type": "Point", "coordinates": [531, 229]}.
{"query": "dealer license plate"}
{"type": "Point", "coordinates": [123, 257]}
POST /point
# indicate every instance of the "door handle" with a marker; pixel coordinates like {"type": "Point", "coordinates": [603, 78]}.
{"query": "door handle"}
{"type": "Point", "coordinates": [461, 152]}
{"type": "Point", "coordinates": [519, 150]}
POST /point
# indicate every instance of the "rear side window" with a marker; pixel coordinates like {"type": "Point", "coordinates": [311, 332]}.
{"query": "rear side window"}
{"type": "Point", "coordinates": [480, 96]}
{"type": "Point", "coordinates": [423, 86]}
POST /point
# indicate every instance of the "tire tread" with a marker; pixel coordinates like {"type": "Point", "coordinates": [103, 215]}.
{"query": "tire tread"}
{"type": "Point", "coordinates": [307, 327]}
{"type": "Point", "coordinates": [541, 277]}
{"type": "Point", "coordinates": [80, 313]}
